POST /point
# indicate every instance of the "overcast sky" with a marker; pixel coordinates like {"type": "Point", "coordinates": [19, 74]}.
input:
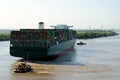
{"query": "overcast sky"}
{"type": "Point", "coordinates": [16, 14]}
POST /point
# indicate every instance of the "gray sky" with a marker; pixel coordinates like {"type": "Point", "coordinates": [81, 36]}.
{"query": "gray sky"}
{"type": "Point", "coordinates": [16, 14]}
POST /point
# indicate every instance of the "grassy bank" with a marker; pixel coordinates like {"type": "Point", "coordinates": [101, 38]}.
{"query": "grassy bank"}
{"type": "Point", "coordinates": [4, 36]}
{"type": "Point", "coordinates": [88, 34]}
{"type": "Point", "coordinates": [81, 34]}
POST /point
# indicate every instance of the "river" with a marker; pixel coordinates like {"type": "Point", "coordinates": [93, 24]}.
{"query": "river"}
{"type": "Point", "coordinates": [99, 59]}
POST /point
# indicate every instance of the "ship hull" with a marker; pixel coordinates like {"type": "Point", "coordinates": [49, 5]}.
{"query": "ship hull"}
{"type": "Point", "coordinates": [43, 53]}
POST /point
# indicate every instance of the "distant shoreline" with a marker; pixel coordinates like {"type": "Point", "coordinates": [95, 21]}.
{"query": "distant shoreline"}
{"type": "Point", "coordinates": [90, 34]}
{"type": "Point", "coordinates": [4, 36]}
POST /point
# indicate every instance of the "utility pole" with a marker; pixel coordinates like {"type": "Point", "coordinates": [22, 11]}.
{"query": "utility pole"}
{"type": "Point", "coordinates": [89, 27]}
{"type": "Point", "coordinates": [102, 27]}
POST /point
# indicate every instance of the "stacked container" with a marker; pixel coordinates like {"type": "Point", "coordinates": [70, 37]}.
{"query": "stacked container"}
{"type": "Point", "coordinates": [34, 42]}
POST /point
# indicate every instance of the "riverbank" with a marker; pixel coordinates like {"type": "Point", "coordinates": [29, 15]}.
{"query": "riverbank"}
{"type": "Point", "coordinates": [4, 36]}
{"type": "Point", "coordinates": [89, 34]}
{"type": "Point", "coordinates": [81, 34]}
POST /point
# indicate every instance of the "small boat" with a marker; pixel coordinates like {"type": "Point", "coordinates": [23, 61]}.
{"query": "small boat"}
{"type": "Point", "coordinates": [22, 68]}
{"type": "Point", "coordinates": [81, 43]}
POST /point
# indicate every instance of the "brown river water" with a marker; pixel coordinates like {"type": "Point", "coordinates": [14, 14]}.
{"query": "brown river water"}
{"type": "Point", "coordinates": [99, 59]}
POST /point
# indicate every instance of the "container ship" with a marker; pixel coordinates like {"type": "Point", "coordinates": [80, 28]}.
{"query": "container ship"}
{"type": "Point", "coordinates": [42, 43]}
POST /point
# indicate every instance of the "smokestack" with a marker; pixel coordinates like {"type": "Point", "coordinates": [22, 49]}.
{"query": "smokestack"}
{"type": "Point", "coordinates": [41, 25]}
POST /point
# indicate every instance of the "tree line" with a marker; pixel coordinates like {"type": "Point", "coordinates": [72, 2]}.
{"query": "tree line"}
{"type": "Point", "coordinates": [87, 34]}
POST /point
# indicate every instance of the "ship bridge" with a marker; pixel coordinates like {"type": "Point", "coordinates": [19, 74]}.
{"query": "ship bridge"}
{"type": "Point", "coordinates": [61, 27]}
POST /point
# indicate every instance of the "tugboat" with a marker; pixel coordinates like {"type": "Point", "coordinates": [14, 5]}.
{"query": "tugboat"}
{"type": "Point", "coordinates": [81, 43]}
{"type": "Point", "coordinates": [22, 68]}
